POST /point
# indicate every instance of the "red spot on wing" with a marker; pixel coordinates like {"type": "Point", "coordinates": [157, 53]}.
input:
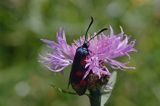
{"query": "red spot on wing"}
{"type": "Point", "coordinates": [76, 86]}
{"type": "Point", "coordinates": [80, 85]}
{"type": "Point", "coordinates": [79, 74]}
{"type": "Point", "coordinates": [83, 83]}
{"type": "Point", "coordinates": [83, 61]}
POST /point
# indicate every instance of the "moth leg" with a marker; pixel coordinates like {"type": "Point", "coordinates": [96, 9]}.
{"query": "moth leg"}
{"type": "Point", "coordinates": [66, 91]}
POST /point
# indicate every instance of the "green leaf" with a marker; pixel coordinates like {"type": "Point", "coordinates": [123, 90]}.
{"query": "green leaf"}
{"type": "Point", "coordinates": [107, 89]}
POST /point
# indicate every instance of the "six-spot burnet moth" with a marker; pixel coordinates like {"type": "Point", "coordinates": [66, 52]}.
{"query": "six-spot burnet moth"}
{"type": "Point", "coordinates": [78, 70]}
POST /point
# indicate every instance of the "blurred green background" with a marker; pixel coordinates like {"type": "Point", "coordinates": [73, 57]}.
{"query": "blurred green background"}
{"type": "Point", "coordinates": [25, 82]}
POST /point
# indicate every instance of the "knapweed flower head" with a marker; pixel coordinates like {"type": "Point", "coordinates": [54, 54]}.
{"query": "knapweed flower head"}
{"type": "Point", "coordinates": [103, 50]}
{"type": "Point", "coordinates": [91, 58]}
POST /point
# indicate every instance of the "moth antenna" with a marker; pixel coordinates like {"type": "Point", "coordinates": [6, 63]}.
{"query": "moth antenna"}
{"type": "Point", "coordinates": [88, 29]}
{"type": "Point", "coordinates": [98, 33]}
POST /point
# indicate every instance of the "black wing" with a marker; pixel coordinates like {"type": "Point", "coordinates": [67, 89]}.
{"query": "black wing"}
{"type": "Point", "coordinates": [78, 70]}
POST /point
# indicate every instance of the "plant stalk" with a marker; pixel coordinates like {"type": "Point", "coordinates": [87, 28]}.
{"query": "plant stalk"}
{"type": "Point", "coordinates": [95, 97]}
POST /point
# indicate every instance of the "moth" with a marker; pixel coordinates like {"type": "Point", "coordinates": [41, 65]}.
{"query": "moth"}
{"type": "Point", "coordinates": [78, 70]}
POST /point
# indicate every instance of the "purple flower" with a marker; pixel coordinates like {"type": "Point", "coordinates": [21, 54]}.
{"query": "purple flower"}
{"type": "Point", "coordinates": [103, 49]}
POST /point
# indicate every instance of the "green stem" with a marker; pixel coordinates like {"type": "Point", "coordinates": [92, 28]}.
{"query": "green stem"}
{"type": "Point", "coordinates": [95, 97]}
